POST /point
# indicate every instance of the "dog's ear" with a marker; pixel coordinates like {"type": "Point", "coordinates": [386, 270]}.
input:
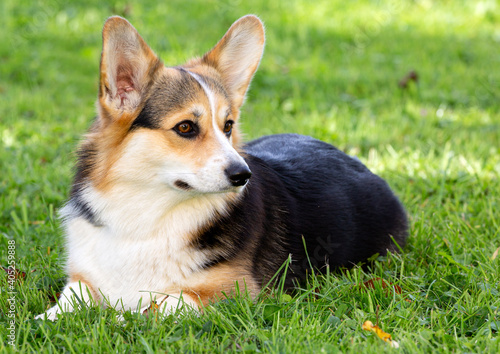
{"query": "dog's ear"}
{"type": "Point", "coordinates": [127, 67]}
{"type": "Point", "coordinates": [237, 56]}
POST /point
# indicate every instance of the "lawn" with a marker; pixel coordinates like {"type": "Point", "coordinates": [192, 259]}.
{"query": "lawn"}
{"type": "Point", "coordinates": [335, 70]}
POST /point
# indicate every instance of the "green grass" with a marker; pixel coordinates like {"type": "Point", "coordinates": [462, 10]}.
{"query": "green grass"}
{"type": "Point", "coordinates": [331, 70]}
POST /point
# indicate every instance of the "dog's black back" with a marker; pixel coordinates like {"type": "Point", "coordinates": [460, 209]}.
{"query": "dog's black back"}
{"type": "Point", "coordinates": [305, 189]}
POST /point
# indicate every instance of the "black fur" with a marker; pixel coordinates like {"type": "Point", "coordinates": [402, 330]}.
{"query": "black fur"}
{"type": "Point", "coordinates": [82, 209]}
{"type": "Point", "coordinates": [257, 221]}
{"type": "Point", "coordinates": [86, 155]}
{"type": "Point", "coordinates": [166, 96]}
{"type": "Point", "coordinates": [302, 187]}
{"type": "Point", "coordinates": [146, 119]}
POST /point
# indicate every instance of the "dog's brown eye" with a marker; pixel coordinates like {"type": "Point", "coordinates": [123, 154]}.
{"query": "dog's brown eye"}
{"type": "Point", "coordinates": [228, 127]}
{"type": "Point", "coordinates": [186, 129]}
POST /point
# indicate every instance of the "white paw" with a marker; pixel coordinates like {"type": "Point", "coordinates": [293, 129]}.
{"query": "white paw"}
{"type": "Point", "coordinates": [50, 314]}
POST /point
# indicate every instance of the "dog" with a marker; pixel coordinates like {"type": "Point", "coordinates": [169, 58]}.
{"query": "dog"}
{"type": "Point", "coordinates": [169, 207]}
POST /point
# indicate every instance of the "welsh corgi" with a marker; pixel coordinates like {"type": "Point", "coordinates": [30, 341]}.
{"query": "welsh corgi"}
{"type": "Point", "coordinates": [169, 206]}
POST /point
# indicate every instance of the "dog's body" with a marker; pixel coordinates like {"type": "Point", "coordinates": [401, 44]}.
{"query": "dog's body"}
{"type": "Point", "coordinates": [163, 206]}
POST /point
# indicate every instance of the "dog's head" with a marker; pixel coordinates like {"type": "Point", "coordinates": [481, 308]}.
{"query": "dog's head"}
{"type": "Point", "coordinates": [171, 126]}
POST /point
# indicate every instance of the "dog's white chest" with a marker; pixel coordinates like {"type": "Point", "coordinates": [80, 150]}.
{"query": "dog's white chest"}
{"type": "Point", "coordinates": [127, 269]}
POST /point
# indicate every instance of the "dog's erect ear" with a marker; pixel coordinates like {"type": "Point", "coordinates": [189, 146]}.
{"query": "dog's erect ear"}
{"type": "Point", "coordinates": [127, 67]}
{"type": "Point", "coordinates": [237, 55]}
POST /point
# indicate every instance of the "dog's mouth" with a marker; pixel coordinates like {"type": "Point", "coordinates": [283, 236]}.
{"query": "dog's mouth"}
{"type": "Point", "coordinates": [183, 185]}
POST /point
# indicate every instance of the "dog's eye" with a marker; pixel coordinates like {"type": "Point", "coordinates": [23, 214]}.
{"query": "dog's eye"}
{"type": "Point", "coordinates": [228, 127]}
{"type": "Point", "coordinates": [186, 129]}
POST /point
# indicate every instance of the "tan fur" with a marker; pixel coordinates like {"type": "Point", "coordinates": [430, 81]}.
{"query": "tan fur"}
{"type": "Point", "coordinates": [220, 281]}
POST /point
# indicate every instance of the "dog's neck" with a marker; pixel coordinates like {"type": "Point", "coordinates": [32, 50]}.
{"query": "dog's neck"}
{"type": "Point", "coordinates": [140, 214]}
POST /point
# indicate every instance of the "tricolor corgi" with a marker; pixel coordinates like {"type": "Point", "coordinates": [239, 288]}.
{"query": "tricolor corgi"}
{"type": "Point", "coordinates": [169, 206]}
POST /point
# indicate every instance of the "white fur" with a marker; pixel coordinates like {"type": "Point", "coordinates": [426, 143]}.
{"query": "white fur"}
{"type": "Point", "coordinates": [142, 251]}
{"type": "Point", "coordinates": [212, 175]}
{"type": "Point", "coordinates": [144, 245]}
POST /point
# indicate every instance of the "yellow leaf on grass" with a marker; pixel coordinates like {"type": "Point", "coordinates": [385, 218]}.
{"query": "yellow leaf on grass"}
{"type": "Point", "coordinates": [386, 337]}
{"type": "Point", "coordinates": [152, 309]}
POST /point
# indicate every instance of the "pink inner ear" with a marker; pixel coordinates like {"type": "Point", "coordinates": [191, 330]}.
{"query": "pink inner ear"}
{"type": "Point", "coordinates": [124, 83]}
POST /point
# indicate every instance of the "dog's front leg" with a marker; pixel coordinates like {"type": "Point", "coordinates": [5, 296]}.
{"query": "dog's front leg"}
{"type": "Point", "coordinates": [75, 294]}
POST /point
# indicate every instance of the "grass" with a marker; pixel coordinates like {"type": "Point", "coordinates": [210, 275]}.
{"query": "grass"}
{"type": "Point", "coordinates": [331, 70]}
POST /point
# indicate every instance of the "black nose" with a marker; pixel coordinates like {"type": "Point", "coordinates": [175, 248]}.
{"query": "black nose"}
{"type": "Point", "coordinates": [238, 174]}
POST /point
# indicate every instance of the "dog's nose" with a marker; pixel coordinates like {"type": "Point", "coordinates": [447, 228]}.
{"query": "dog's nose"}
{"type": "Point", "coordinates": [238, 174]}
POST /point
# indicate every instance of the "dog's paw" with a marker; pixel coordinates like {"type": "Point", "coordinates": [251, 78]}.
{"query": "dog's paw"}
{"type": "Point", "coordinates": [120, 318]}
{"type": "Point", "coordinates": [50, 314]}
